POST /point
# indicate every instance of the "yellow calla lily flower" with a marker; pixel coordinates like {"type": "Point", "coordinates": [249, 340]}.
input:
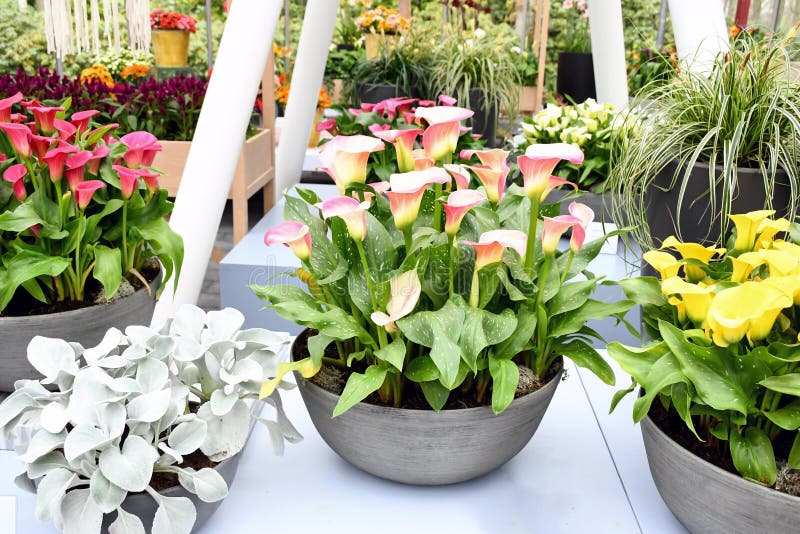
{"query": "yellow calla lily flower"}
{"type": "Point", "coordinates": [781, 262]}
{"type": "Point", "coordinates": [696, 299]}
{"type": "Point", "coordinates": [749, 309]}
{"type": "Point", "coordinates": [680, 307]}
{"type": "Point", "coordinates": [692, 251]}
{"type": "Point", "coordinates": [305, 367]}
{"type": "Point", "coordinates": [767, 230]}
{"type": "Point", "coordinates": [747, 225]}
{"type": "Point", "coordinates": [665, 263]}
{"type": "Point", "coordinates": [786, 246]}
{"type": "Point", "coordinates": [789, 285]}
{"type": "Point", "coordinates": [744, 264]}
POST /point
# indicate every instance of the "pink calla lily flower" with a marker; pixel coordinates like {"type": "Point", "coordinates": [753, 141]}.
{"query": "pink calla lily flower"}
{"type": "Point", "coordinates": [585, 215]}
{"type": "Point", "coordinates": [494, 158]}
{"type": "Point", "coordinates": [6, 104]}
{"type": "Point", "coordinates": [149, 154]}
{"type": "Point", "coordinates": [292, 234]}
{"type": "Point", "coordinates": [18, 118]}
{"type": "Point", "coordinates": [128, 180]}
{"type": "Point", "coordinates": [66, 130]}
{"type": "Point", "coordinates": [41, 144]}
{"type": "Point", "coordinates": [345, 158]}
{"type": "Point", "coordinates": [391, 107]}
{"type": "Point", "coordinates": [493, 182]}
{"type": "Point", "coordinates": [539, 161]}
{"type": "Point", "coordinates": [459, 173]}
{"type": "Point", "coordinates": [403, 141]}
{"type": "Point", "coordinates": [15, 175]}
{"type": "Point", "coordinates": [81, 120]}
{"type": "Point", "coordinates": [440, 138]}
{"type": "Point", "coordinates": [150, 179]}
{"type": "Point", "coordinates": [458, 204]}
{"type": "Point", "coordinates": [20, 136]}
{"type": "Point", "coordinates": [353, 213]}
{"type": "Point", "coordinates": [45, 117]}
{"type": "Point", "coordinates": [366, 106]}
{"type": "Point", "coordinates": [404, 293]}
{"type": "Point", "coordinates": [75, 167]}
{"type": "Point", "coordinates": [407, 190]}
{"type": "Point", "coordinates": [55, 160]}
{"type": "Point", "coordinates": [552, 183]}
{"type": "Point", "coordinates": [447, 100]}
{"type": "Point", "coordinates": [326, 125]}
{"type": "Point", "coordinates": [378, 128]}
{"type": "Point", "coordinates": [84, 192]}
{"type": "Point", "coordinates": [491, 245]}
{"type": "Point", "coordinates": [99, 152]}
{"type": "Point", "coordinates": [554, 228]}
{"type": "Point", "coordinates": [421, 160]}
{"type": "Point", "coordinates": [137, 143]}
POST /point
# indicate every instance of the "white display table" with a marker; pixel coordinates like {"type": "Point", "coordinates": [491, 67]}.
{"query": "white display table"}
{"type": "Point", "coordinates": [565, 480]}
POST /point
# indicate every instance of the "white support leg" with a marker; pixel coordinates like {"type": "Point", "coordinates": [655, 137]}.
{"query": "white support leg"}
{"type": "Point", "coordinates": [700, 32]}
{"type": "Point", "coordinates": [217, 141]}
{"type": "Point", "coordinates": [608, 51]}
{"type": "Point", "coordinates": [309, 68]}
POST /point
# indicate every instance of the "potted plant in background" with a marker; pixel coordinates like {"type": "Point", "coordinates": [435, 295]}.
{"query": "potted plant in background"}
{"type": "Point", "coordinates": [527, 65]}
{"type": "Point", "coordinates": [708, 145]}
{"type": "Point", "coordinates": [380, 26]}
{"type": "Point", "coordinates": [589, 126]}
{"type": "Point", "coordinates": [170, 35]}
{"type": "Point", "coordinates": [339, 70]}
{"type": "Point", "coordinates": [720, 386]}
{"type": "Point", "coordinates": [650, 67]}
{"type": "Point", "coordinates": [430, 315]}
{"type": "Point", "coordinates": [479, 71]}
{"type": "Point", "coordinates": [575, 80]}
{"type": "Point", "coordinates": [145, 429]}
{"type": "Point", "coordinates": [402, 69]}
{"type": "Point", "coordinates": [82, 229]}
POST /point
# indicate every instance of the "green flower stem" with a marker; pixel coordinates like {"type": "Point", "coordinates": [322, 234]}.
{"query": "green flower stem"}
{"type": "Point", "coordinates": [531, 248]}
{"type": "Point", "coordinates": [126, 268]}
{"type": "Point", "coordinates": [31, 173]}
{"type": "Point", "coordinates": [541, 326]}
{"type": "Point", "coordinates": [453, 262]}
{"type": "Point", "coordinates": [407, 235]}
{"type": "Point", "coordinates": [382, 338]}
{"type": "Point", "coordinates": [438, 209]}
{"type": "Point", "coordinates": [474, 290]}
{"type": "Point", "coordinates": [569, 263]}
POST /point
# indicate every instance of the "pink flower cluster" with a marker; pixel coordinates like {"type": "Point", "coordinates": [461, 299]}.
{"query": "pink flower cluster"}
{"type": "Point", "coordinates": [50, 150]}
{"type": "Point", "coordinates": [168, 20]}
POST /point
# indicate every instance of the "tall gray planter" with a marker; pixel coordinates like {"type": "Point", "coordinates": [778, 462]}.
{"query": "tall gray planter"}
{"type": "Point", "coordinates": [86, 326]}
{"type": "Point", "coordinates": [422, 446]}
{"type": "Point", "coordinates": [144, 506]}
{"type": "Point", "coordinates": [706, 498]}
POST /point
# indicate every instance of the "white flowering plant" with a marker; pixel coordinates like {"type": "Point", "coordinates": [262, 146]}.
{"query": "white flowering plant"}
{"type": "Point", "coordinates": [590, 126]}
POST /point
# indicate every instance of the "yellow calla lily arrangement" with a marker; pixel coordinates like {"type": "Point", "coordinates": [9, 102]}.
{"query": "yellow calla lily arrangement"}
{"type": "Point", "coordinates": [723, 353]}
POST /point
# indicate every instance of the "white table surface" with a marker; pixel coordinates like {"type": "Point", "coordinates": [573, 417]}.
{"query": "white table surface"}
{"type": "Point", "coordinates": [563, 481]}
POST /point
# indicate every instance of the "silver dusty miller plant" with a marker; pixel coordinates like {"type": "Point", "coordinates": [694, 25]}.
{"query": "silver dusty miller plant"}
{"type": "Point", "coordinates": [105, 419]}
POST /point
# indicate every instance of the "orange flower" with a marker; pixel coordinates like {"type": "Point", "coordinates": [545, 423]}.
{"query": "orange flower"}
{"type": "Point", "coordinates": [97, 73]}
{"type": "Point", "coordinates": [133, 72]}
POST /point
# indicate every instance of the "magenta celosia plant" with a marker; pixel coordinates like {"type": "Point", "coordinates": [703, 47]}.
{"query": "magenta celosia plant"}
{"type": "Point", "coordinates": [79, 208]}
{"type": "Point", "coordinates": [441, 277]}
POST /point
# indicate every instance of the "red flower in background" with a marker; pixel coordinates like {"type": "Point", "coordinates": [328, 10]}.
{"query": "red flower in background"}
{"type": "Point", "coordinates": [170, 20]}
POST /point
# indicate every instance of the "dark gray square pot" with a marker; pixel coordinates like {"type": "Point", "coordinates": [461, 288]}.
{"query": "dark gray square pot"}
{"type": "Point", "coordinates": [86, 326]}
{"type": "Point", "coordinates": [706, 498]}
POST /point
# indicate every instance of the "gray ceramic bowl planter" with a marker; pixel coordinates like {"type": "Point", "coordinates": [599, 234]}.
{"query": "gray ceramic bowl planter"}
{"type": "Point", "coordinates": [422, 446]}
{"type": "Point", "coordinates": [86, 326]}
{"type": "Point", "coordinates": [144, 506]}
{"type": "Point", "coordinates": [706, 498]}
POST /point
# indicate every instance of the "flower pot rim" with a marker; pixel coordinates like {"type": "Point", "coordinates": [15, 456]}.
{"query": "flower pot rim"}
{"type": "Point", "coordinates": [392, 411]}
{"type": "Point", "coordinates": [720, 167]}
{"type": "Point", "coordinates": [791, 500]}
{"type": "Point", "coordinates": [169, 30]}
{"type": "Point", "coordinates": [65, 315]}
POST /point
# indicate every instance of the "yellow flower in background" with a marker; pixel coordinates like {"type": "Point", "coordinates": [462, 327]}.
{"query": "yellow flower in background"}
{"type": "Point", "coordinates": [695, 298]}
{"type": "Point", "coordinates": [749, 309]}
{"type": "Point", "coordinates": [780, 262]}
{"type": "Point", "coordinates": [665, 263]}
{"type": "Point", "coordinates": [789, 285]}
{"type": "Point", "coordinates": [679, 306]}
{"type": "Point", "coordinates": [747, 225]}
{"type": "Point", "coordinates": [767, 231]}
{"type": "Point", "coordinates": [744, 264]}
{"type": "Point", "coordinates": [692, 251]}
{"type": "Point", "coordinates": [97, 73]}
{"type": "Point", "coordinates": [787, 247]}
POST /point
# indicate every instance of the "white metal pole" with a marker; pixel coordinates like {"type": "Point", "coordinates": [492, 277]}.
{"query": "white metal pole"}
{"type": "Point", "coordinates": [309, 68]}
{"type": "Point", "coordinates": [608, 51]}
{"type": "Point", "coordinates": [700, 32]}
{"type": "Point", "coordinates": [217, 142]}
